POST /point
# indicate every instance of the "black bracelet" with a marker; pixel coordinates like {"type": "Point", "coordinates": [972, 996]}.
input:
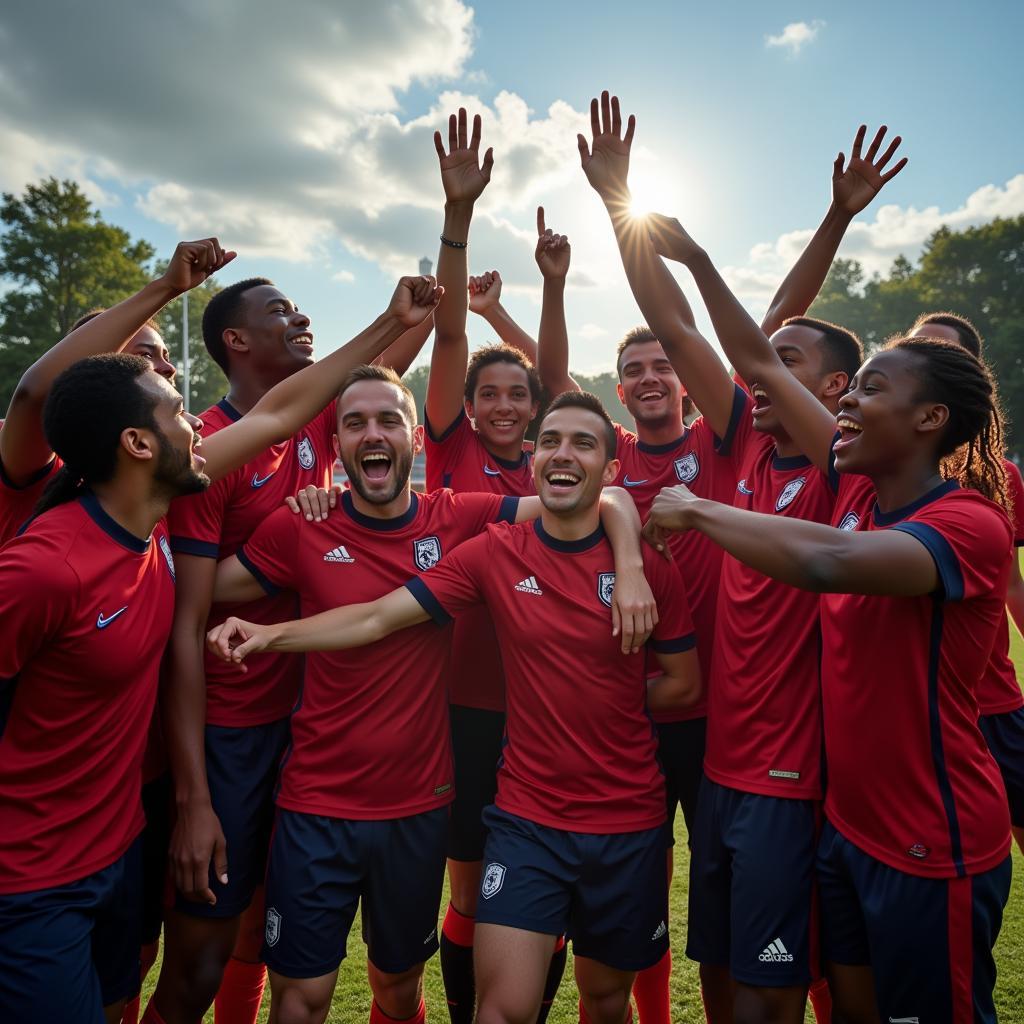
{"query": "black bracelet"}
{"type": "Point", "coordinates": [454, 245]}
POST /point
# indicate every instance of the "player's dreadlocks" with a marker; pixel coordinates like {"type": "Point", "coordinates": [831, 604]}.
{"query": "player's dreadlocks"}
{"type": "Point", "coordinates": [972, 446]}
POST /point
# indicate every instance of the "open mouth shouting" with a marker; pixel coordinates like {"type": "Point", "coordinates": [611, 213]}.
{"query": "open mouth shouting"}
{"type": "Point", "coordinates": [761, 399]}
{"type": "Point", "coordinates": [562, 481]}
{"type": "Point", "coordinates": [849, 430]}
{"type": "Point", "coordinates": [302, 340]}
{"type": "Point", "coordinates": [376, 465]}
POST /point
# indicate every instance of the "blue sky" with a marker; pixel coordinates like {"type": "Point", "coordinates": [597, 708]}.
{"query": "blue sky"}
{"type": "Point", "coordinates": [304, 139]}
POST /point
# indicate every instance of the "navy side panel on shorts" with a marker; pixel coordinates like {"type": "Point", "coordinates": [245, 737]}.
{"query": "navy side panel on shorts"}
{"type": "Point", "coordinates": [1004, 735]}
{"type": "Point", "coordinates": [477, 736]}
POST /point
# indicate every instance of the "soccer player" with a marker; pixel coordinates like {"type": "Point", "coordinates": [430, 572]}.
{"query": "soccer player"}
{"type": "Point", "coordinates": [225, 741]}
{"type": "Point", "coordinates": [86, 596]}
{"type": "Point", "coordinates": [576, 836]}
{"type": "Point", "coordinates": [1000, 702]}
{"type": "Point", "coordinates": [365, 788]}
{"type": "Point", "coordinates": [913, 865]}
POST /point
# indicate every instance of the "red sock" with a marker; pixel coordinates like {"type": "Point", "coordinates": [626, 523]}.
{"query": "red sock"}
{"type": "Point", "coordinates": [650, 990]}
{"type": "Point", "coordinates": [821, 1001]}
{"type": "Point", "coordinates": [240, 993]}
{"type": "Point", "coordinates": [130, 1014]}
{"type": "Point", "coordinates": [584, 1019]}
{"type": "Point", "coordinates": [151, 1016]}
{"type": "Point", "coordinates": [378, 1016]}
{"type": "Point", "coordinates": [458, 927]}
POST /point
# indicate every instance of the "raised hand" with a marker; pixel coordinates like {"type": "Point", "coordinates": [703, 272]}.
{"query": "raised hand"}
{"type": "Point", "coordinates": [414, 300]}
{"type": "Point", "coordinates": [484, 292]}
{"type": "Point", "coordinates": [193, 262]}
{"type": "Point", "coordinates": [234, 639]}
{"type": "Point", "coordinates": [463, 176]}
{"type": "Point", "coordinates": [606, 162]}
{"type": "Point", "coordinates": [854, 187]}
{"type": "Point", "coordinates": [553, 251]}
{"type": "Point", "coordinates": [671, 239]}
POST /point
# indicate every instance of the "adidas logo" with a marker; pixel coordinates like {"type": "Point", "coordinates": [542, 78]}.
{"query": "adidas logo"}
{"type": "Point", "coordinates": [776, 953]}
{"type": "Point", "coordinates": [338, 554]}
{"type": "Point", "coordinates": [659, 931]}
{"type": "Point", "coordinates": [529, 586]}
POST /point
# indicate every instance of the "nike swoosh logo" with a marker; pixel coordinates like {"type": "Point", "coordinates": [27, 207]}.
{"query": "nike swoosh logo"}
{"type": "Point", "coordinates": [632, 483]}
{"type": "Point", "coordinates": [258, 482]}
{"type": "Point", "coordinates": [102, 623]}
{"type": "Point", "coordinates": [492, 472]}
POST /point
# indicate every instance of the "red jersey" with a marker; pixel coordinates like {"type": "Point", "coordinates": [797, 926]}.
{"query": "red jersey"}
{"type": "Point", "coordinates": [370, 733]}
{"type": "Point", "coordinates": [998, 689]}
{"type": "Point", "coordinates": [17, 502]}
{"type": "Point", "coordinates": [216, 523]}
{"type": "Point", "coordinates": [764, 717]}
{"type": "Point", "coordinates": [459, 460]}
{"type": "Point", "coordinates": [579, 746]}
{"type": "Point", "coordinates": [691, 459]}
{"type": "Point", "coordinates": [87, 610]}
{"type": "Point", "coordinates": [910, 778]}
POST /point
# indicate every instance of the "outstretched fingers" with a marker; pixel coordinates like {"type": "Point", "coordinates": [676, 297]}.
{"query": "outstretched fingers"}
{"type": "Point", "coordinates": [858, 142]}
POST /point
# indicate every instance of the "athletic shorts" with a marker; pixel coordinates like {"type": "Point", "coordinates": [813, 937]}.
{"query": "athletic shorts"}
{"type": "Point", "coordinates": [72, 949]}
{"type": "Point", "coordinates": [928, 941]}
{"type": "Point", "coordinates": [1004, 735]}
{"type": "Point", "coordinates": [609, 893]}
{"type": "Point", "coordinates": [241, 770]}
{"type": "Point", "coordinates": [156, 839]}
{"type": "Point", "coordinates": [320, 868]}
{"type": "Point", "coordinates": [681, 753]}
{"type": "Point", "coordinates": [477, 739]}
{"type": "Point", "coordinates": [752, 904]}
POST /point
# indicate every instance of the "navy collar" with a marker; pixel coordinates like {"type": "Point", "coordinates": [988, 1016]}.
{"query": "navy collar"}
{"type": "Point", "coordinates": [381, 525]}
{"type": "Point", "coordinates": [880, 518]}
{"type": "Point", "coordinates": [229, 410]}
{"type": "Point", "coordinates": [111, 527]}
{"type": "Point", "coordinates": [662, 449]}
{"type": "Point", "coordinates": [568, 547]}
{"type": "Point", "coordinates": [524, 457]}
{"type": "Point", "coordinates": [790, 461]}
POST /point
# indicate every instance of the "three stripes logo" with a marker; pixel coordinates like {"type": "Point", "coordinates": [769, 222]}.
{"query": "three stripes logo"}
{"type": "Point", "coordinates": [529, 586]}
{"type": "Point", "coordinates": [776, 953]}
{"type": "Point", "coordinates": [338, 554]}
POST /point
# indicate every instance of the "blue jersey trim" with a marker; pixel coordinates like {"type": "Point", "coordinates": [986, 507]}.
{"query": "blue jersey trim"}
{"type": "Point", "coordinates": [229, 410]}
{"type": "Point", "coordinates": [34, 478]}
{"type": "Point", "coordinates": [191, 546]}
{"type": "Point", "coordinates": [381, 525]}
{"type": "Point", "coordinates": [111, 527]}
{"type": "Point", "coordinates": [508, 510]}
{"type": "Point", "coordinates": [675, 645]}
{"type": "Point", "coordinates": [509, 463]}
{"type": "Point", "coordinates": [951, 580]}
{"type": "Point", "coordinates": [790, 461]}
{"type": "Point", "coordinates": [723, 445]}
{"type": "Point", "coordinates": [662, 449]}
{"type": "Point", "coordinates": [447, 432]}
{"type": "Point", "coordinates": [569, 547]}
{"type": "Point", "coordinates": [880, 518]}
{"type": "Point", "coordinates": [270, 588]}
{"type": "Point", "coordinates": [427, 601]}
{"type": "Point", "coordinates": [7, 687]}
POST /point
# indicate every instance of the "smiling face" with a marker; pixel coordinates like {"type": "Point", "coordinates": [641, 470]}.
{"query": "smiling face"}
{"type": "Point", "coordinates": [273, 331]}
{"type": "Point", "coordinates": [571, 462]}
{"type": "Point", "coordinates": [502, 405]}
{"type": "Point", "coordinates": [179, 465]}
{"type": "Point", "coordinates": [648, 386]}
{"type": "Point", "coordinates": [148, 344]}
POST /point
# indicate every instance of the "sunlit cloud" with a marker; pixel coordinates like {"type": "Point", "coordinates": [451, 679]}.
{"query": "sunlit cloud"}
{"type": "Point", "coordinates": [795, 36]}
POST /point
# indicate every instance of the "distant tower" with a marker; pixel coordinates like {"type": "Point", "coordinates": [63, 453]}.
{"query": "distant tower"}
{"type": "Point", "coordinates": [426, 266]}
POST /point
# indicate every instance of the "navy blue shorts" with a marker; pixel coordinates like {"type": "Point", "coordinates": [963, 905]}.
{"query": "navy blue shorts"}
{"type": "Point", "coordinates": [681, 748]}
{"type": "Point", "coordinates": [242, 767]}
{"type": "Point", "coordinates": [477, 738]}
{"type": "Point", "coordinates": [156, 839]}
{"type": "Point", "coordinates": [752, 895]}
{"type": "Point", "coordinates": [609, 893]}
{"type": "Point", "coordinates": [320, 868]}
{"type": "Point", "coordinates": [70, 950]}
{"type": "Point", "coordinates": [1004, 735]}
{"type": "Point", "coordinates": [928, 941]}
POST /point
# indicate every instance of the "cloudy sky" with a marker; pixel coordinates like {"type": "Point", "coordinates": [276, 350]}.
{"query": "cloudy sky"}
{"type": "Point", "coordinates": [301, 134]}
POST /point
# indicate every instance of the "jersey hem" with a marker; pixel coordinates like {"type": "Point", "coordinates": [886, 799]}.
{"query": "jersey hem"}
{"type": "Point", "coordinates": [377, 813]}
{"type": "Point", "coordinates": [698, 711]}
{"type": "Point", "coordinates": [1005, 708]}
{"type": "Point", "coordinates": [586, 827]}
{"type": "Point", "coordinates": [802, 791]}
{"type": "Point", "coordinates": [230, 721]}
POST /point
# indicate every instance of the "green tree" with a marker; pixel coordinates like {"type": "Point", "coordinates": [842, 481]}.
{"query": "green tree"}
{"type": "Point", "coordinates": [61, 259]}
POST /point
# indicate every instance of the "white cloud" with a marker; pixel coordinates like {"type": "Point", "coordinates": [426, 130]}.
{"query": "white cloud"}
{"type": "Point", "coordinates": [591, 331]}
{"type": "Point", "coordinates": [795, 36]}
{"type": "Point", "coordinates": [344, 276]}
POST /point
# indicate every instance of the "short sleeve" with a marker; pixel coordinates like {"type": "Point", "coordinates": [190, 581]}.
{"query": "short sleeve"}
{"type": "Point", "coordinates": [454, 584]}
{"type": "Point", "coordinates": [674, 632]}
{"type": "Point", "coordinates": [476, 511]}
{"type": "Point", "coordinates": [733, 444]}
{"type": "Point", "coordinates": [195, 520]}
{"type": "Point", "coordinates": [322, 429]}
{"type": "Point", "coordinates": [444, 450]}
{"type": "Point", "coordinates": [271, 553]}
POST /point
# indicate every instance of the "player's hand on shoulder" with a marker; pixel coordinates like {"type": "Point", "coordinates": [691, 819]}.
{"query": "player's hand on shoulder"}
{"type": "Point", "coordinates": [193, 262]}
{"type": "Point", "coordinates": [314, 503]}
{"type": "Point", "coordinates": [634, 610]}
{"type": "Point", "coordinates": [553, 251]}
{"type": "Point", "coordinates": [196, 842]}
{"type": "Point", "coordinates": [235, 639]}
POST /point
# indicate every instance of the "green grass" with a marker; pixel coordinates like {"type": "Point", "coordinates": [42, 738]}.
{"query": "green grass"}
{"type": "Point", "coordinates": [352, 996]}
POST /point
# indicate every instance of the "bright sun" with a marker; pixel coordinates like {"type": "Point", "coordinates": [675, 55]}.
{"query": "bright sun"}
{"type": "Point", "coordinates": [652, 191]}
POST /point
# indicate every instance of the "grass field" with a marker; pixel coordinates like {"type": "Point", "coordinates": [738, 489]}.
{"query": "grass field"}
{"type": "Point", "coordinates": [352, 996]}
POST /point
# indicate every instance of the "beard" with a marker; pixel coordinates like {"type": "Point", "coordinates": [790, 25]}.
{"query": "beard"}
{"type": "Point", "coordinates": [174, 472]}
{"type": "Point", "coordinates": [401, 467]}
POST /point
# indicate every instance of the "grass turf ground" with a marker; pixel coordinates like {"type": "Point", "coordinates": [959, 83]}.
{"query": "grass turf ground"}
{"type": "Point", "coordinates": [351, 1003]}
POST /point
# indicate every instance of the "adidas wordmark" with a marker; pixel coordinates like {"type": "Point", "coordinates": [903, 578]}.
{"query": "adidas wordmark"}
{"type": "Point", "coordinates": [338, 554]}
{"type": "Point", "coordinates": [776, 952]}
{"type": "Point", "coordinates": [529, 586]}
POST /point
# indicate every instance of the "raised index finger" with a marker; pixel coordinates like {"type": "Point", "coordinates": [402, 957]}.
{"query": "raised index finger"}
{"type": "Point", "coordinates": [540, 221]}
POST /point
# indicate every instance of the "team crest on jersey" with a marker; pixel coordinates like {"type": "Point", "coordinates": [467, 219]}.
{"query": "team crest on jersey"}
{"type": "Point", "coordinates": [687, 467]}
{"type": "Point", "coordinates": [789, 492]}
{"type": "Point", "coordinates": [426, 552]}
{"type": "Point", "coordinates": [273, 926]}
{"type": "Point", "coordinates": [605, 586]}
{"type": "Point", "coordinates": [849, 521]}
{"type": "Point", "coordinates": [165, 550]}
{"type": "Point", "coordinates": [493, 880]}
{"type": "Point", "coordinates": [305, 453]}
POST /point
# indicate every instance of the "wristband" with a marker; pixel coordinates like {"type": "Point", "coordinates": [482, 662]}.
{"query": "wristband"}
{"type": "Point", "coordinates": [454, 245]}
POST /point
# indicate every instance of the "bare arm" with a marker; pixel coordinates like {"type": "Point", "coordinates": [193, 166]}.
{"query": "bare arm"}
{"type": "Point", "coordinates": [553, 255]}
{"type": "Point", "coordinates": [485, 301]}
{"type": "Point", "coordinates": [24, 449]}
{"type": "Point", "coordinates": [401, 354]}
{"type": "Point", "coordinates": [678, 686]}
{"type": "Point", "coordinates": [234, 584]}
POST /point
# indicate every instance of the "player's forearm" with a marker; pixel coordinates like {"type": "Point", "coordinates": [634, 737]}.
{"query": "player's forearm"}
{"type": "Point", "coordinates": [338, 629]}
{"type": "Point", "coordinates": [553, 340]}
{"type": "Point", "coordinates": [183, 716]}
{"type": "Point", "coordinates": [671, 692]}
{"type": "Point", "coordinates": [621, 523]}
{"type": "Point", "coordinates": [453, 273]}
{"type": "Point", "coordinates": [510, 332]}
{"type": "Point", "coordinates": [400, 354]}
{"type": "Point", "coordinates": [802, 284]}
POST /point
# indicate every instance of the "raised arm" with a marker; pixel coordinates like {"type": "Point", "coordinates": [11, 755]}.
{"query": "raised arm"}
{"type": "Point", "coordinates": [354, 625]}
{"type": "Point", "coordinates": [553, 254]}
{"type": "Point", "coordinates": [854, 186]}
{"type": "Point", "coordinates": [296, 400]}
{"type": "Point", "coordinates": [668, 314]}
{"type": "Point", "coordinates": [485, 301]}
{"type": "Point", "coordinates": [400, 354]}
{"type": "Point", "coordinates": [24, 449]}
{"type": "Point", "coordinates": [464, 178]}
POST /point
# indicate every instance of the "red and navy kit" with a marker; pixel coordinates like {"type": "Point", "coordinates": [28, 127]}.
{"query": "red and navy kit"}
{"type": "Point", "coordinates": [458, 459]}
{"type": "Point", "coordinates": [370, 732]}
{"type": "Point", "coordinates": [216, 523]}
{"type": "Point", "coordinates": [911, 782]}
{"type": "Point", "coordinates": [87, 610]}
{"type": "Point", "coordinates": [764, 716]}
{"type": "Point", "coordinates": [18, 501]}
{"type": "Point", "coordinates": [692, 460]}
{"type": "Point", "coordinates": [580, 749]}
